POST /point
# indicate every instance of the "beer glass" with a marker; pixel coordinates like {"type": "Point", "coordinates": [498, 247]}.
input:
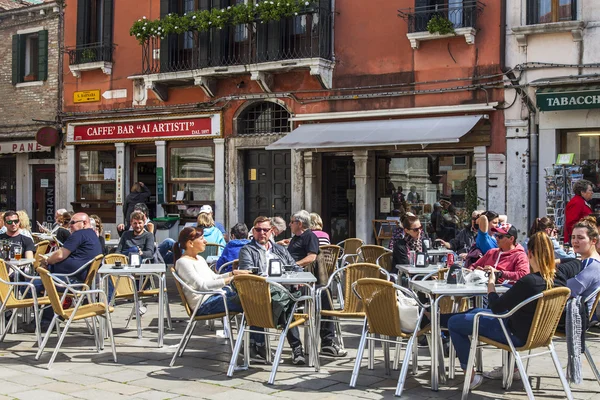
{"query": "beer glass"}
{"type": "Point", "coordinates": [17, 250]}
{"type": "Point", "coordinates": [107, 235]}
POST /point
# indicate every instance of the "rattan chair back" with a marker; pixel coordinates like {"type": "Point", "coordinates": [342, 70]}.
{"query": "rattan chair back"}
{"type": "Point", "coordinates": [548, 311]}
{"type": "Point", "coordinates": [124, 285]}
{"type": "Point", "coordinates": [594, 305]}
{"type": "Point", "coordinates": [212, 249]}
{"type": "Point", "coordinates": [255, 296]}
{"type": "Point", "coordinates": [40, 249]}
{"type": "Point", "coordinates": [353, 273]}
{"type": "Point", "coordinates": [328, 257]}
{"type": "Point", "coordinates": [369, 253]}
{"type": "Point", "coordinates": [380, 303]}
{"type": "Point", "coordinates": [385, 261]}
{"type": "Point", "coordinates": [93, 270]}
{"type": "Point", "coordinates": [187, 307]}
{"type": "Point", "coordinates": [6, 293]}
{"type": "Point", "coordinates": [52, 293]}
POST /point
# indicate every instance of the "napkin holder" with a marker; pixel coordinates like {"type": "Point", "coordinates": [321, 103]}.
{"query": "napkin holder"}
{"type": "Point", "coordinates": [455, 275]}
{"type": "Point", "coordinates": [275, 267]}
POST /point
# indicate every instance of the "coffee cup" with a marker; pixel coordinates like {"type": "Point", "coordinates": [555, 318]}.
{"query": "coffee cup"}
{"type": "Point", "coordinates": [117, 264]}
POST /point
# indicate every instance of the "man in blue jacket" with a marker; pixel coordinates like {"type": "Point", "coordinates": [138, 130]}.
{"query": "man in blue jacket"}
{"type": "Point", "coordinates": [239, 238]}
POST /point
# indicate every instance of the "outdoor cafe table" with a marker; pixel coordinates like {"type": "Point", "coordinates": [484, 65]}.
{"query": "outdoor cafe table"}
{"type": "Point", "coordinates": [436, 290]}
{"type": "Point", "coordinates": [304, 278]}
{"type": "Point", "coordinates": [157, 270]}
{"type": "Point", "coordinates": [411, 271]}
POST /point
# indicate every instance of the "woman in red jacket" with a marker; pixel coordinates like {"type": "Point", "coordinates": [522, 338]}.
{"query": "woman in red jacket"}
{"type": "Point", "coordinates": [578, 207]}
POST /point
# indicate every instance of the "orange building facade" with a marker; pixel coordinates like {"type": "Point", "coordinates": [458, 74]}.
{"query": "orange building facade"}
{"type": "Point", "coordinates": [348, 109]}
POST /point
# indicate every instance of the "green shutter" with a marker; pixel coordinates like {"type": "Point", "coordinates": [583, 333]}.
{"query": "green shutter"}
{"type": "Point", "coordinates": [169, 43]}
{"type": "Point", "coordinates": [107, 30]}
{"type": "Point", "coordinates": [220, 38]}
{"type": "Point", "coordinates": [42, 55]}
{"type": "Point", "coordinates": [16, 62]}
{"type": "Point", "coordinates": [204, 40]}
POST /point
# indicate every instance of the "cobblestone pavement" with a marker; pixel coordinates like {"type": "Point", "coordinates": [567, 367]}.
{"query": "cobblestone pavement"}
{"type": "Point", "coordinates": [143, 371]}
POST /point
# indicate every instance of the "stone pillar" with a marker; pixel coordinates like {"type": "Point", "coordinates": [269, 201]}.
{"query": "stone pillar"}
{"type": "Point", "coordinates": [517, 173]}
{"type": "Point", "coordinates": [220, 180]}
{"type": "Point", "coordinates": [497, 183]}
{"type": "Point", "coordinates": [297, 181]}
{"type": "Point", "coordinates": [363, 223]}
{"type": "Point", "coordinates": [120, 159]}
{"type": "Point", "coordinates": [310, 191]}
{"type": "Point", "coordinates": [480, 158]}
{"type": "Point", "coordinates": [161, 162]}
{"type": "Point", "coordinates": [23, 185]}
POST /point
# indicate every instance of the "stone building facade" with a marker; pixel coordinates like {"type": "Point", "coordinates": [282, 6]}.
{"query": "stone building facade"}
{"type": "Point", "coordinates": [31, 99]}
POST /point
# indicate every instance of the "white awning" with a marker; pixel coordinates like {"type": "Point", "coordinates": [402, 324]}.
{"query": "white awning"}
{"type": "Point", "coordinates": [408, 131]}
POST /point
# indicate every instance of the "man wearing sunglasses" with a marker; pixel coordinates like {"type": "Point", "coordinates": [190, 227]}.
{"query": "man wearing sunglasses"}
{"type": "Point", "coordinates": [13, 235]}
{"type": "Point", "coordinates": [509, 261]}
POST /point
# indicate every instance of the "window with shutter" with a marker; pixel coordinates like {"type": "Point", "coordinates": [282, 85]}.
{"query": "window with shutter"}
{"type": "Point", "coordinates": [547, 11]}
{"type": "Point", "coordinates": [30, 57]}
{"type": "Point", "coordinates": [94, 31]}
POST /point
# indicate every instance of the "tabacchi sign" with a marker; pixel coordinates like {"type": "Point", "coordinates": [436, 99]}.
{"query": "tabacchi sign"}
{"type": "Point", "coordinates": [143, 130]}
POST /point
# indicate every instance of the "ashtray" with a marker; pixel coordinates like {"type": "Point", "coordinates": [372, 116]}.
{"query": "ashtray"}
{"type": "Point", "coordinates": [117, 266]}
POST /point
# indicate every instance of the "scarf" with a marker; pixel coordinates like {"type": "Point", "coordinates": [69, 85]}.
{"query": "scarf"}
{"type": "Point", "coordinates": [413, 244]}
{"type": "Point", "coordinates": [574, 342]}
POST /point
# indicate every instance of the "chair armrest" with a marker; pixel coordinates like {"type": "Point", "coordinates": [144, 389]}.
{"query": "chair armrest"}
{"type": "Point", "coordinates": [286, 291]}
{"type": "Point", "coordinates": [511, 312]}
{"type": "Point", "coordinates": [407, 292]}
{"type": "Point", "coordinates": [592, 296]}
{"type": "Point", "coordinates": [77, 272]}
{"type": "Point", "coordinates": [19, 272]}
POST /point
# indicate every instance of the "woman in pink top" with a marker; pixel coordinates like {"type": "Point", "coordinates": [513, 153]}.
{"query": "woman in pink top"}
{"type": "Point", "coordinates": [316, 226]}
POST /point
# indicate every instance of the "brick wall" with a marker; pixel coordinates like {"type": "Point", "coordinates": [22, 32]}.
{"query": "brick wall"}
{"type": "Point", "coordinates": [18, 105]}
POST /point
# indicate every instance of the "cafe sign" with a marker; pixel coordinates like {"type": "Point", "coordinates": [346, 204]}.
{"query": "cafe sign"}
{"type": "Point", "coordinates": [23, 146]}
{"type": "Point", "coordinates": [568, 98]}
{"type": "Point", "coordinates": [173, 128]}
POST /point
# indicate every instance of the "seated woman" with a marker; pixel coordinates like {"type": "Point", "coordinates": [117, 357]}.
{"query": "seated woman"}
{"type": "Point", "coordinates": [584, 240]}
{"type": "Point", "coordinates": [545, 224]}
{"type": "Point", "coordinates": [485, 240]}
{"type": "Point", "coordinates": [194, 271]}
{"type": "Point", "coordinates": [410, 238]}
{"type": "Point", "coordinates": [542, 277]}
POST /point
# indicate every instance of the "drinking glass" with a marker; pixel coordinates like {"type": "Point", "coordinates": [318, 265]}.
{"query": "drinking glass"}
{"type": "Point", "coordinates": [107, 235]}
{"type": "Point", "coordinates": [17, 250]}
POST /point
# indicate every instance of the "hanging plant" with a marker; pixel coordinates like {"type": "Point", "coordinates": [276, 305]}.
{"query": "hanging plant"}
{"type": "Point", "coordinates": [440, 24]}
{"type": "Point", "coordinates": [471, 200]}
{"type": "Point", "coordinates": [203, 20]}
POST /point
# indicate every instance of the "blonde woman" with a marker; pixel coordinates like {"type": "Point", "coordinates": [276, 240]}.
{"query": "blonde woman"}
{"type": "Point", "coordinates": [316, 226]}
{"type": "Point", "coordinates": [25, 224]}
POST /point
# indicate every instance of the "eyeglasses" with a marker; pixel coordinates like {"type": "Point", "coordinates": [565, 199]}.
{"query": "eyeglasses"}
{"type": "Point", "coordinates": [11, 222]}
{"type": "Point", "coordinates": [500, 236]}
{"type": "Point", "coordinates": [293, 222]}
{"type": "Point", "coordinates": [73, 222]}
{"type": "Point", "coordinates": [262, 230]}
{"type": "Point", "coordinates": [418, 228]}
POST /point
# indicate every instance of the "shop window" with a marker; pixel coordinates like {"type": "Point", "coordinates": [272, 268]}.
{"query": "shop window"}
{"type": "Point", "coordinates": [30, 57]}
{"type": "Point", "coordinates": [264, 117]}
{"type": "Point", "coordinates": [192, 171]}
{"type": "Point", "coordinates": [547, 11]}
{"type": "Point", "coordinates": [96, 174]}
{"type": "Point", "coordinates": [417, 183]}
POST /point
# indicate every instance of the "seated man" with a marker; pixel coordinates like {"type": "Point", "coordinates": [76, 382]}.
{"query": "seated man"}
{"type": "Point", "coordinates": [137, 240]}
{"type": "Point", "coordinates": [13, 235]}
{"type": "Point", "coordinates": [239, 238]}
{"type": "Point", "coordinates": [509, 261]}
{"type": "Point", "coordinates": [148, 224]}
{"type": "Point", "coordinates": [255, 254]}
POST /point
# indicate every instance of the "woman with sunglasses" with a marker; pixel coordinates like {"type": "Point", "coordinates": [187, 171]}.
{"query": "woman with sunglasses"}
{"type": "Point", "coordinates": [195, 272]}
{"type": "Point", "coordinates": [546, 225]}
{"type": "Point", "coordinates": [409, 238]}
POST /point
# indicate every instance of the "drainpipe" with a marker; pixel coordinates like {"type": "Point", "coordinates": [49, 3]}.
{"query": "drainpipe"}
{"type": "Point", "coordinates": [533, 168]}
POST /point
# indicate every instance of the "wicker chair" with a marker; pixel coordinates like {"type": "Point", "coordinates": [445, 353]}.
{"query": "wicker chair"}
{"type": "Point", "coordinates": [79, 312]}
{"type": "Point", "coordinates": [255, 295]}
{"type": "Point", "coordinates": [40, 249]}
{"type": "Point", "coordinates": [380, 302]}
{"type": "Point", "coordinates": [125, 288]}
{"type": "Point", "coordinates": [191, 325]}
{"type": "Point", "coordinates": [369, 253]}
{"type": "Point", "coordinates": [549, 308]}
{"type": "Point", "coordinates": [350, 248]}
{"type": "Point", "coordinates": [385, 261]}
{"type": "Point", "coordinates": [211, 250]}
{"type": "Point", "coordinates": [352, 310]}
{"type": "Point", "coordinates": [11, 302]}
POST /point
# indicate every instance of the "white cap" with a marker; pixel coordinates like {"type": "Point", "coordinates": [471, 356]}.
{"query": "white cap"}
{"type": "Point", "coordinates": [206, 209]}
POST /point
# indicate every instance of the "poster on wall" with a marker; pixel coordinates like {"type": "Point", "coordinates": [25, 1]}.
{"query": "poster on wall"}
{"type": "Point", "coordinates": [160, 186]}
{"type": "Point", "coordinates": [384, 205]}
{"type": "Point", "coordinates": [119, 183]}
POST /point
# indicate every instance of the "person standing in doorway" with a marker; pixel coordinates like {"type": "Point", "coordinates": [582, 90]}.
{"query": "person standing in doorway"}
{"type": "Point", "coordinates": [579, 206]}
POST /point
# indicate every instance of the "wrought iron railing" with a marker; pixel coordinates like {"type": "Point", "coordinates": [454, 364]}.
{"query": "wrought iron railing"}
{"type": "Point", "coordinates": [89, 53]}
{"type": "Point", "coordinates": [307, 35]}
{"type": "Point", "coordinates": [462, 14]}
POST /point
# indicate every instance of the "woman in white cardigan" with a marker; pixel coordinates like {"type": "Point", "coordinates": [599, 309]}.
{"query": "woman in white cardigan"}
{"type": "Point", "coordinates": [195, 272]}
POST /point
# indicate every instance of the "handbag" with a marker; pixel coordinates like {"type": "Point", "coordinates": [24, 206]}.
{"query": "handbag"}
{"type": "Point", "coordinates": [409, 312]}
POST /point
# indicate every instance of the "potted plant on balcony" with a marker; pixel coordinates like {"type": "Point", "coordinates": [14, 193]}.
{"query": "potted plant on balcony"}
{"type": "Point", "coordinates": [88, 55]}
{"type": "Point", "coordinates": [440, 25]}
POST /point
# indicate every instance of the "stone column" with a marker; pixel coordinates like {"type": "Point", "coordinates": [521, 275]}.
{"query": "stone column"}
{"type": "Point", "coordinates": [361, 175]}
{"type": "Point", "coordinates": [70, 177]}
{"type": "Point", "coordinates": [517, 174]}
{"type": "Point", "coordinates": [480, 158]}
{"type": "Point", "coordinates": [297, 181]}
{"type": "Point", "coordinates": [220, 180]}
{"type": "Point", "coordinates": [23, 185]}
{"type": "Point", "coordinates": [120, 159]}
{"type": "Point", "coordinates": [309, 181]}
{"type": "Point", "coordinates": [161, 162]}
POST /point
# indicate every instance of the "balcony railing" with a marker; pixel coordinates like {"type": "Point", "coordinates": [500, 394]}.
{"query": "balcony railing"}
{"type": "Point", "coordinates": [462, 14]}
{"type": "Point", "coordinates": [307, 35]}
{"type": "Point", "coordinates": [90, 53]}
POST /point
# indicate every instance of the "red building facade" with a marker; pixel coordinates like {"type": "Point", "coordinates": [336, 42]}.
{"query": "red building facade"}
{"type": "Point", "coordinates": [332, 110]}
